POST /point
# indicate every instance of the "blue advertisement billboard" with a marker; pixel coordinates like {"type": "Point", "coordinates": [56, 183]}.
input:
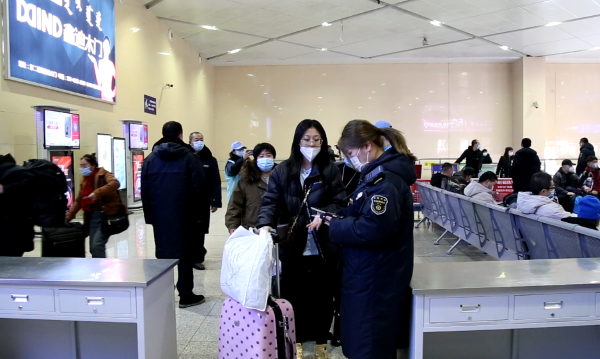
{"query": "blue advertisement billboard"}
{"type": "Point", "coordinates": [68, 45]}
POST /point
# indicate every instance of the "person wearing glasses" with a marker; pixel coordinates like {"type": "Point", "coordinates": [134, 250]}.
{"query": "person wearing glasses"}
{"type": "Point", "coordinates": [307, 179]}
{"type": "Point", "coordinates": [542, 198]}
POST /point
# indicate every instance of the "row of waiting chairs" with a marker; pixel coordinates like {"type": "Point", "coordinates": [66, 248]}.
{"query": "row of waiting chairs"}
{"type": "Point", "coordinates": [504, 233]}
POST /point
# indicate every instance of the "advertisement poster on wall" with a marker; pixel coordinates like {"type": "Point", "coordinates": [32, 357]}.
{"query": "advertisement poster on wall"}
{"type": "Point", "coordinates": [61, 129]}
{"type": "Point", "coordinates": [120, 171]}
{"type": "Point", "coordinates": [138, 136]}
{"type": "Point", "coordinates": [65, 162]}
{"type": "Point", "coordinates": [138, 161]}
{"type": "Point", "coordinates": [104, 151]}
{"type": "Point", "coordinates": [67, 45]}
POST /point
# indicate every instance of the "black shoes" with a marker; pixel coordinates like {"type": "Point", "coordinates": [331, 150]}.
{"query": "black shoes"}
{"type": "Point", "coordinates": [191, 300]}
{"type": "Point", "coordinates": [199, 266]}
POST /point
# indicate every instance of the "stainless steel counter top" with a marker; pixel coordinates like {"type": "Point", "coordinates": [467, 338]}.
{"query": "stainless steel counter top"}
{"type": "Point", "coordinates": [83, 271]}
{"type": "Point", "coordinates": [430, 278]}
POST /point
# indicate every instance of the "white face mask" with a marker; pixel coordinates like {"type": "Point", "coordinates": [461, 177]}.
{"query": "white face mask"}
{"type": "Point", "coordinates": [358, 166]}
{"type": "Point", "coordinates": [310, 152]}
{"type": "Point", "coordinates": [479, 147]}
{"type": "Point", "coordinates": [572, 169]}
{"type": "Point", "coordinates": [511, 153]}
{"type": "Point", "coordinates": [594, 165]}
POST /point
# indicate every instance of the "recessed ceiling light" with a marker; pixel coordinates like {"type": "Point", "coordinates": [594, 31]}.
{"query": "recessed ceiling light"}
{"type": "Point", "coordinates": [323, 49]}
{"type": "Point", "coordinates": [265, 93]}
{"type": "Point", "coordinates": [435, 23]}
{"type": "Point", "coordinates": [234, 51]}
{"type": "Point", "coordinates": [505, 48]}
{"type": "Point", "coordinates": [326, 24]}
{"type": "Point", "coordinates": [208, 27]}
{"type": "Point", "coordinates": [135, 29]}
{"type": "Point", "coordinates": [553, 23]}
{"type": "Point", "coordinates": [165, 53]}
{"type": "Point", "coordinates": [250, 75]}
{"type": "Point", "coordinates": [595, 48]}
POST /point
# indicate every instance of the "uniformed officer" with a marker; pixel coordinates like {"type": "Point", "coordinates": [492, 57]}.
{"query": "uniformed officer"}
{"type": "Point", "coordinates": [376, 234]}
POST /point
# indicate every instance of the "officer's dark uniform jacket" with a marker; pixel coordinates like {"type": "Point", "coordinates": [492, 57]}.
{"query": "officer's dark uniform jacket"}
{"type": "Point", "coordinates": [376, 234]}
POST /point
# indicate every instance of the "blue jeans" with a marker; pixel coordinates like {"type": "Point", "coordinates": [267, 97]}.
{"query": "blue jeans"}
{"type": "Point", "coordinates": [98, 239]}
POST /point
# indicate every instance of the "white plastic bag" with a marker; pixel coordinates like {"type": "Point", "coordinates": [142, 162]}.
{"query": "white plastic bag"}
{"type": "Point", "coordinates": [246, 268]}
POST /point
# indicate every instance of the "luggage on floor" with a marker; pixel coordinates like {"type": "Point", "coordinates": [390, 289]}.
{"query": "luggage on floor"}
{"type": "Point", "coordinates": [250, 333]}
{"type": "Point", "coordinates": [67, 241]}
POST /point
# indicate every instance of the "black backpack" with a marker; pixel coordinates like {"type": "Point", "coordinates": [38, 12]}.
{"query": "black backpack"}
{"type": "Point", "coordinates": [510, 200]}
{"type": "Point", "coordinates": [50, 198]}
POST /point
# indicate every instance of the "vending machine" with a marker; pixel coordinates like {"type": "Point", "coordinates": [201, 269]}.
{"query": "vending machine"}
{"type": "Point", "coordinates": [136, 142]}
{"type": "Point", "coordinates": [57, 135]}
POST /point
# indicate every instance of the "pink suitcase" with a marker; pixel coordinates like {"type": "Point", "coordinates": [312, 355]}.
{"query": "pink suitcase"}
{"type": "Point", "coordinates": [249, 333]}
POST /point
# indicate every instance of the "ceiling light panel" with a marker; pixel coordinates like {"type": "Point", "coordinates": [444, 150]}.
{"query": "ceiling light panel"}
{"type": "Point", "coordinates": [275, 50]}
{"type": "Point", "coordinates": [501, 21]}
{"type": "Point", "coordinates": [468, 49]}
{"type": "Point", "coordinates": [211, 43]}
{"type": "Point", "coordinates": [370, 26]}
{"type": "Point", "coordinates": [321, 10]}
{"type": "Point", "coordinates": [267, 23]}
{"type": "Point", "coordinates": [520, 40]}
{"type": "Point", "coordinates": [202, 12]}
{"type": "Point", "coordinates": [555, 47]}
{"type": "Point", "coordinates": [582, 28]}
{"type": "Point", "coordinates": [402, 41]}
{"type": "Point", "coordinates": [562, 10]}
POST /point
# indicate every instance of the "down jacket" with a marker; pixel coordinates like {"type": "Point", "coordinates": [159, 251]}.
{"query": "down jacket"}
{"type": "Point", "coordinates": [477, 191]}
{"type": "Point", "coordinates": [283, 199]}
{"type": "Point", "coordinates": [174, 193]}
{"type": "Point", "coordinates": [525, 164]}
{"type": "Point", "coordinates": [376, 234]}
{"type": "Point", "coordinates": [106, 188]}
{"type": "Point", "coordinates": [585, 151]}
{"type": "Point", "coordinates": [540, 205]}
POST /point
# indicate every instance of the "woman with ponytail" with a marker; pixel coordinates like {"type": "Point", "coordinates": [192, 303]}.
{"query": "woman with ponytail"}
{"type": "Point", "coordinates": [376, 234]}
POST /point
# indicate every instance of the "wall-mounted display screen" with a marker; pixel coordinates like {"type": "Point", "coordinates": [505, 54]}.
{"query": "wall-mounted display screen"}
{"type": "Point", "coordinates": [104, 152]}
{"type": "Point", "coordinates": [120, 171]}
{"type": "Point", "coordinates": [138, 136]}
{"type": "Point", "coordinates": [67, 45]}
{"type": "Point", "coordinates": [61, 129]}
{"type": "Point", "coordinates": [138, 162]}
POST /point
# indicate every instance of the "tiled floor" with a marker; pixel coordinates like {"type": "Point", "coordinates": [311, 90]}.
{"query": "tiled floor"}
{"type": "Point", "coordinates": [198, 327]}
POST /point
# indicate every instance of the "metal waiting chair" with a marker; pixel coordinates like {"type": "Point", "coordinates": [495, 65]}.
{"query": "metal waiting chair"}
{"type": "Point", "coordinates": [424, 205]}
{"type": "Point", "coordinates": [439, 197]}
{"type": "Point", "coordinates": [456, 219]}
{"type": "Point", "coordinates": [531, 232]}
{"type": "Point", "coordinates": [590, 241]}
{"type": "Point", "coordinates": [561, 238]}
{"type": "Point", "coordinates": [508, 243]}
{"type": "Point", "coordinates": [486, 242]}
{"type": "Point", "coordinates": [470, 222]}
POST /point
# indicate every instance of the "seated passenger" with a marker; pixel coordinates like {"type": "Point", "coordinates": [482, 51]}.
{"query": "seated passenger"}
{"type": "Point", "coordinates": [541, 199]}
{"type": "Point", "coordinates": [565, 181]}
{"type": "Point", "coordinates": [590, 178]}
{"type": "Point", "coordinates": [462, 179]}
{"type": "Point", "coordinates": [247, 195]}
{"type": "Point", "coordinates": [483, 190]}
{"type": "Point", "coordinates": [589, 213]}
{"type": "Point", "coordinates": [447, 172]}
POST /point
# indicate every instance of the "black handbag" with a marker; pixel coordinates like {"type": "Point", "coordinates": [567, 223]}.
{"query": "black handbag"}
{"type": "Point", "coordinates": [115, 224]}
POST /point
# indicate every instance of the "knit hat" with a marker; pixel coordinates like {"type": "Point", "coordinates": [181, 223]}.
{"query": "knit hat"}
{"type": "Point", "coordinates": [589, 207]}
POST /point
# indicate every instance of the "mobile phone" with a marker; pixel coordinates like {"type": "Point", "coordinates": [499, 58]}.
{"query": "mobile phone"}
{"type": "Point", "coordinates": [324, 213]}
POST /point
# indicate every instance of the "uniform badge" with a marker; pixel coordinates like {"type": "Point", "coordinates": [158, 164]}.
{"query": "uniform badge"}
{"type": "Point", "coordinates": [379, 204]}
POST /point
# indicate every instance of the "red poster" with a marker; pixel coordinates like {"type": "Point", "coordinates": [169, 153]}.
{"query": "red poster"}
{"type": "Point", "coordinates": [138, 161]}
{"type": "Point", "coordinates": [65, 163]}
{"type": "Point", "coordinates": [503, 188]}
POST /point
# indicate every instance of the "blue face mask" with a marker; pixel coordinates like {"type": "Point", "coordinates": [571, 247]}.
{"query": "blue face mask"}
{"type": "Point", "coordinates": [479, 147]}
{"type": "Point", "coordinates": [265, 164]}
{"type": "Point", "coordinates": [386, 148]}
{"type": "Point", "coordinates": [485, 153]}
{"type": "Point", "coordinates": [198, 145]}
{"type": "Point", "coordinates": [86, 171]}
{"type": "Point", "coordinates": [347, 162]}
{"type": "Point", "coordinates": [240, 153]}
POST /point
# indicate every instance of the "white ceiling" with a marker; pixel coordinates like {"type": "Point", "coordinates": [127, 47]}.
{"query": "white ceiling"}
{"type": "Point", "coordinates": [290, 31]}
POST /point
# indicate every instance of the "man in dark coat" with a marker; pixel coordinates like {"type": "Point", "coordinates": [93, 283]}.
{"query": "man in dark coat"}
{"type": "Point", "coordinates": [565, 181]}
{"type": "Point", "coordinates": [173, 185]}
{"type": "Point", "coordinates": [586, 149]}
{"type": "Point", "coordinates": [376, 234]}
{"type": "Point", "coordinates": [473, 155]}
{"type": "Point", "coordinates": [525, 164]}
{"type": "Point", "coordinates": [213, 186]}
{"type": "Point", "coordinates": [16, 204]}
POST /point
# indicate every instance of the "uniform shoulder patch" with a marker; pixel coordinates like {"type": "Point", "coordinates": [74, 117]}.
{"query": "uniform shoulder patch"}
{"type": "Point", "coordinates": [379, 204]}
